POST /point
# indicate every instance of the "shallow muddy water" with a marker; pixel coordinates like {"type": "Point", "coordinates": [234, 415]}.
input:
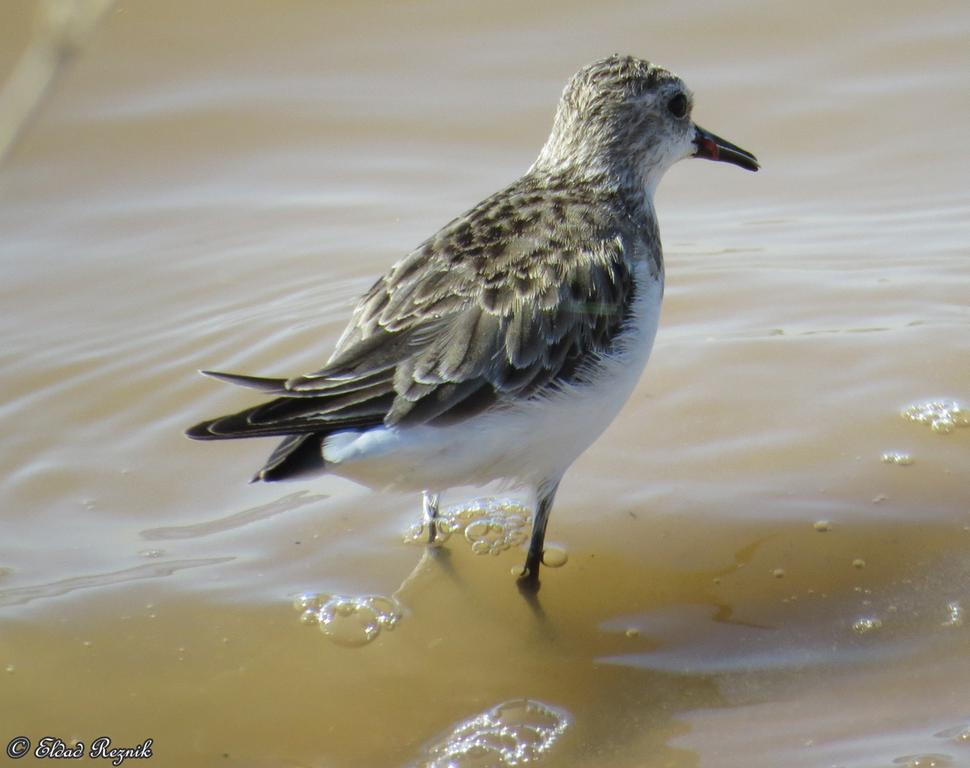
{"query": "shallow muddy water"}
{"type": "Point", "coordinates": [767, 560]}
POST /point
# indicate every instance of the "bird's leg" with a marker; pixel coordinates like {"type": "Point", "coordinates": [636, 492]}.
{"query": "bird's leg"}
{"type": "Point", "coordinates": [530, 574]}
{"type": "Point", "coordinates": [429, 505]}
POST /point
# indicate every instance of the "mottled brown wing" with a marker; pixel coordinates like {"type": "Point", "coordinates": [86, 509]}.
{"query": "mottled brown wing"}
{"type": "Point", "coordinates": [519, 295]}
{"type": "Point", "coordinates": [452, 337]}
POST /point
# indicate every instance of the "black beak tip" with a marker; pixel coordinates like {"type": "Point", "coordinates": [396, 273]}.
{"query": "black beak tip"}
{"type": "Point", "coordinates": [750, 164]}
{"type": "Point", "coordinates": [712, 147]}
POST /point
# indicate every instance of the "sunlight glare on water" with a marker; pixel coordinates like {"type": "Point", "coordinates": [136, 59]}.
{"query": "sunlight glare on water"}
{"type": "Point", "coordinates": [939, 415]}
{"type": "Point", "coordinates": [510, 734]}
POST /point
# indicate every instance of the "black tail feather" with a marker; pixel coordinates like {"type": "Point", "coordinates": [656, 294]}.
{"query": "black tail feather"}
{"type": "Point", "coordinates": [262, 383]}
{"type": "Point", "coordinates": [303, 419]}
{"type": "Point", "coordinates": [297, 455]}
{"type": "Point", "coordinates": [238, 425]}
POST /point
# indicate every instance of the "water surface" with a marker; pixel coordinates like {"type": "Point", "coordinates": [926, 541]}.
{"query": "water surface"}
{"type": "Point", "coordinates": [748, 582]}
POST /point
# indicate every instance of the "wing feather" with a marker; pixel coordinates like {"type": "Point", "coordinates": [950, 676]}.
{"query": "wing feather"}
{"type": "Point", "coordinates": [509, 301]}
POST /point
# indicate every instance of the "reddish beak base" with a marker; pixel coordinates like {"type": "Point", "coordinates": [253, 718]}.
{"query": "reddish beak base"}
{"type": "Point", "coordinates": [713, 147]}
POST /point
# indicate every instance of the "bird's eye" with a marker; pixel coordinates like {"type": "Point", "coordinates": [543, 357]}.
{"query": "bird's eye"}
{"type": "Point", "coordinates": [678, 105]}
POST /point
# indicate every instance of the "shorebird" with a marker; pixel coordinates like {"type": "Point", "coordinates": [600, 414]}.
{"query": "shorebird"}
{"type": "Point", "coordinates": [502, 346]}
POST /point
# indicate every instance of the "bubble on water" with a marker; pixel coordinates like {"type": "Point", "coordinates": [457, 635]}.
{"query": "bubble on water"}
{"type": "Point", "coordinates": [354, 621]}
{"type": "Point", "coordinates": [490, 526]}
{"type": "Point", "coordinates": [632, 632]}
{"type": "Point", "coordinates": [942, 416]}
{"type": "Point", "coordinates": [554, 557]}
{"type": "Point", "coordinates": [822, 526]}
{"type": "Point", "coordinates": [481, 547]}
{"type": "Point", "coordinates": [10, 669]}
{"type": "Point", "coordinates": [477, 530]}
{"type": "Point", "coordinates": [152, 553]}
{"type": "Point", "coordinates": [958, 734]}
{"type": "Point", "coordinates": [443, 531]}
{"type": "Point", "coordinates": [310, 617]}
{"type": "Point", "coordinates": [512, 733]}
{"type": "Point", "coordinates": [347, 620]}
{"type": "Point", "coordinates": [418, 533]}
{"type": "Point", "coordinates": [866, 625]}
{"type": "Point", "coordinates": [954, 613]}
{"type": "Point", "coordinates": [895, 457]}
{"type": "Point", "coordinates": [307, 601]}
{"type": "Point", "coordinates": [493, 527]}
{"type": "Point", "coordinates": [924, 761]}
{"type": "Point", "coordinates": [778, 573]}
{"type": "Point", "coordinates": [859, 563]}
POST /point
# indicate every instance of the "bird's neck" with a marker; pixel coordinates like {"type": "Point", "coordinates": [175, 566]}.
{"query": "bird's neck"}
{"type": "Point", "coordinates": [627, 191]}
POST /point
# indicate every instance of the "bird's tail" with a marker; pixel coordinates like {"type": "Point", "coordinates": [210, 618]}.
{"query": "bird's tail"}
{"type": "Point", "coordinates": [295, 456]}
{"type": "Point", "coordinates": [303, 420]}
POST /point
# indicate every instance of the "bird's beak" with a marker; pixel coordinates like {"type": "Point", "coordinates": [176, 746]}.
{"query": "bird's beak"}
{"type": "Point", "coordinates": [714, 147]}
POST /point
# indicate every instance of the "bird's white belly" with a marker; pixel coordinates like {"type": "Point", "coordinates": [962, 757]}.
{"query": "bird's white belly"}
{"type": "Point", "coordinates": [524, 444]}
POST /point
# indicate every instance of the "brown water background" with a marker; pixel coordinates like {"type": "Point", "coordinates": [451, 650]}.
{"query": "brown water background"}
{"type": "Point", "coordinates": [750, 582]}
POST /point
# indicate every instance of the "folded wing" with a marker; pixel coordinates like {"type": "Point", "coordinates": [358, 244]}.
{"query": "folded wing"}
{"type": "Point", "coordinates": [476, 317]}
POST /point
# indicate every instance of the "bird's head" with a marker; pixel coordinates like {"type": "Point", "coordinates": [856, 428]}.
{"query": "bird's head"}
{"type": "Point", "coordinates": [631, 120]}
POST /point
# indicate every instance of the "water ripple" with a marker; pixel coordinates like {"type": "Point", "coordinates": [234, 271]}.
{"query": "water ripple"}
{"type": "Point", "coordinates": [22, 595]}
{"type": "Point", "coordinates": [235, 520]}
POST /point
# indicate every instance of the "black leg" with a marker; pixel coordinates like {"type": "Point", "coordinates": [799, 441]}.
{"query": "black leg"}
{"type": "Point", "coordinates": [530, 574]}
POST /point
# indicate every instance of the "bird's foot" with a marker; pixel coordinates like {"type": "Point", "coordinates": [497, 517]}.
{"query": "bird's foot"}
{"type": "Point", "coordinates": [527, 580]}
